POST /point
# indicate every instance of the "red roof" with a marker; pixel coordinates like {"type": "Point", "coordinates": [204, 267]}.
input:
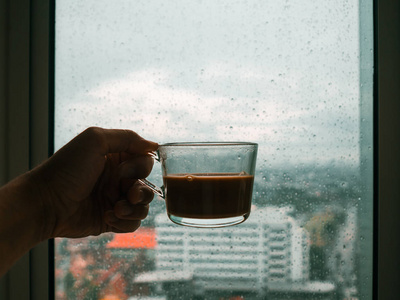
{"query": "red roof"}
{"type": "Point", "coordinates": [141, 238]}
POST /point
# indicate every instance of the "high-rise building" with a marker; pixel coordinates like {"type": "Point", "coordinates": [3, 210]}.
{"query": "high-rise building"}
{"type": "Point", "coordinates": [269, 248]}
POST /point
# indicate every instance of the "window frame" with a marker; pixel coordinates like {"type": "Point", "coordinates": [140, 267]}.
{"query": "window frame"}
{"type": "Point", "coordinates": [27, 90]}
{"type": "Point", "coordinates": [387, 146]}
{"type": "Point", "coordinates": [26, 118]}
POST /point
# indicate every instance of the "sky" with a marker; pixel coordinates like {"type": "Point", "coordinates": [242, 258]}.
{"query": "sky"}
{"type": "Point", "coordinates": [284, 74]}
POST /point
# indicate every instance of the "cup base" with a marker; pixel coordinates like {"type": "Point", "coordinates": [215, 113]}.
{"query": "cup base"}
{"type": "Point", "coordinates": [208, 223]}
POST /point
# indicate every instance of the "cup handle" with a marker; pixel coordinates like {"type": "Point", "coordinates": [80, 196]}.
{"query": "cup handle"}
{"type": "Point", "coordinates": [156, 190]}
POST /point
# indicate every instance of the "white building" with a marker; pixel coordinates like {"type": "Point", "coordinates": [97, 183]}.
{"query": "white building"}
{"type": "Point", "coordinates": [270, 247]}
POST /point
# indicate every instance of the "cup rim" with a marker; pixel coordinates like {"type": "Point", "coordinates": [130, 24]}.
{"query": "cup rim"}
{"type": "Point", "coordinates": [208, 144]}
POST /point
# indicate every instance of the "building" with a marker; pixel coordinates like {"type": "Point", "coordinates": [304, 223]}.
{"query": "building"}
{"type": "Point", "coordinates": [267, 251]}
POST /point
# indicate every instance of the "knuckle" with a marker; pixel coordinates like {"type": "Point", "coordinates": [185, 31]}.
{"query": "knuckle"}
{"type": "Point", "coordinates": [95, 135]}
{"type": "Point", "coordinates": [93, 131]}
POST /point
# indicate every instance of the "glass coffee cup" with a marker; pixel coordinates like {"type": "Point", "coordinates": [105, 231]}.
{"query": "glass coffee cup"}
{"type": "Point", "coordinates": [206, 184]}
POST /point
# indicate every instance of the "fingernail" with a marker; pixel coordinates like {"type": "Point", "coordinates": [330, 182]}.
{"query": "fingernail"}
{"type": "Point", "coordinates": [154, 144]}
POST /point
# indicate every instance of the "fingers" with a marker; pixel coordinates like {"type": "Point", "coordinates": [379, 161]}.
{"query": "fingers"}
{"type": "Point", "coordinates": [139, 193]}
{"type": "Point", "coordinates": [127, 214]}
{"type": "Point", "coordinates": [136, 167]}
{"type": "Point", "coordinates": [126, 217]}
{"type": "Point", "coordinates": [118, 225]}
{"type": "Point", "coordinates": [127, 211]}
{"type": "Point", "coordinates": [119, 140]}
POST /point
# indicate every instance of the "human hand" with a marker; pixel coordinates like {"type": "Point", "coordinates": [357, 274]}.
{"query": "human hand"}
{"type": "Point", "coordinates": [90, 185]}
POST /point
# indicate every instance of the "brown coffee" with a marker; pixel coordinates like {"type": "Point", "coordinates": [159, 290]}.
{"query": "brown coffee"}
{"type": "Point", "coordinates": [208, 195]}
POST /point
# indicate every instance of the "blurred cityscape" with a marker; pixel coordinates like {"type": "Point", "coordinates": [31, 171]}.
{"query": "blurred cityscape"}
{"type": "Point", "coordinates": [300, 242]}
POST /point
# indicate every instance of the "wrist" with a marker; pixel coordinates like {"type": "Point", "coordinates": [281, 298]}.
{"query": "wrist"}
{"type": "Point", "coordinates": [22, 219]}
{"type": "Point", "coordinates": [42, 208]}
{"type": "Point", "coordinates": [23, 207]}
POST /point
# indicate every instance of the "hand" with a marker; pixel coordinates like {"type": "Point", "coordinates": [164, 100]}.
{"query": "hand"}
{"type": "Point", "coordinates": [89, 186]}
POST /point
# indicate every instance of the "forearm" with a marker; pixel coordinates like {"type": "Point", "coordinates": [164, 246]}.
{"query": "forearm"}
{"type": "Point", "coordinates": [22, 220]}
{"type": "Point", "coordinates": [77, 192]}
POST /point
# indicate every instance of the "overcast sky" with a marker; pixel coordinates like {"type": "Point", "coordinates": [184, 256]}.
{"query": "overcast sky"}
{"type": "Point", "coordinates": [284, 74]}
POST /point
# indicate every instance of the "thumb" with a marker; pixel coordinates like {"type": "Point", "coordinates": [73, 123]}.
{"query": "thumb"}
{"type": "Point", "coordinates": [118, 140]}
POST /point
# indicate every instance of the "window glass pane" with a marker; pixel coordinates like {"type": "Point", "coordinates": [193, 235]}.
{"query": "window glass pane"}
{"type": "Point", "coordinates": [293, 76]}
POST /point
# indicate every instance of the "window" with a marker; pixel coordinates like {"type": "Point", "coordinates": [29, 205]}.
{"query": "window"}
{"type": "Point", "coordinates": [384, 266]}
{"type": "Point", "coordinates": [294, 77]}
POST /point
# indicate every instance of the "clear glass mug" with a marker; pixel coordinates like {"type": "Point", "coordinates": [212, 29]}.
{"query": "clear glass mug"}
{"type": "Point", "coordinates": [206, 184]}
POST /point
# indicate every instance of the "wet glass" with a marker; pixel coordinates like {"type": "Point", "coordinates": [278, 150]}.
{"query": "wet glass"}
{"type": "Point", "coordinates": [293, 77]}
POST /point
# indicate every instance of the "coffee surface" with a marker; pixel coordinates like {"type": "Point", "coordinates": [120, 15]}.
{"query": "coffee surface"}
{"type": "Point", "coordinates": [208, 195]}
